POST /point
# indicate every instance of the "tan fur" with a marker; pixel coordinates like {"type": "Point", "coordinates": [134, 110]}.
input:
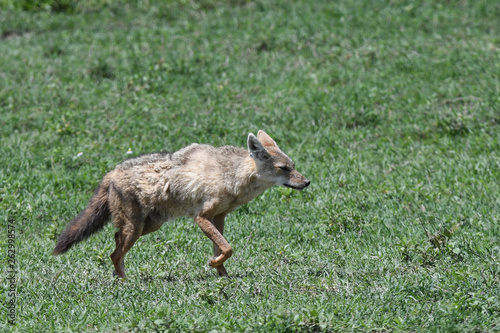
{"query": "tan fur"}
{"type": "Point", "coordinates": [200, 181]}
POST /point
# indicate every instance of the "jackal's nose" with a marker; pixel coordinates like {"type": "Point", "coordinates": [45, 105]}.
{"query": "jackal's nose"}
{"type": "Point", "coordinates": [307, 182]}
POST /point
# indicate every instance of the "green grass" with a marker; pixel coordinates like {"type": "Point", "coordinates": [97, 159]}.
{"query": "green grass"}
{"type": "Point", "coordinates": [390, 108]}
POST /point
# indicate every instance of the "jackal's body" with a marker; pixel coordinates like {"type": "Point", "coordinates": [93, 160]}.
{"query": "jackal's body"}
{"type": "Point", "coordinates": [195, 179]}
{"type": "Point", "coordinates": [199, 181]}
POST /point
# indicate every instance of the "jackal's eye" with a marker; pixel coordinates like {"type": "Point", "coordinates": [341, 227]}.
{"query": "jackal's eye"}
{"type": "Point", "coordinates": [285, 168]}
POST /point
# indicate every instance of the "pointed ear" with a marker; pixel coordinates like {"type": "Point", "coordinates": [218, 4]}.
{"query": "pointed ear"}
{"type": "Point", "coordinates": [256, 149]}
{"type": "Point", "coordinates": [265, 139]}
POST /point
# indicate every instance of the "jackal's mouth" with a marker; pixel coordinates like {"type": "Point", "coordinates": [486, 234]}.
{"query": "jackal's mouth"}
{"type": "Point", "coordinates": [297, 187]}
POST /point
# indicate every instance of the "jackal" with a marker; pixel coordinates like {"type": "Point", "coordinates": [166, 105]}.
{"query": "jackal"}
{"type": "Point", "coordinates": [199, 180]}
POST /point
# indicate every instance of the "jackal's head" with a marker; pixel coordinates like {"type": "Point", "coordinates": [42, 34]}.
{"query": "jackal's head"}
{"type": "Point", "coordinates": [272, 164]}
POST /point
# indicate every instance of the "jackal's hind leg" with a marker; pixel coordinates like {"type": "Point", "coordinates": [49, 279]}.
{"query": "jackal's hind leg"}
{"type": "Point", "coordinates": [117, 258]}
{"type": "Point", "coordinates": [125, 238]}
{"type": "Point", "coordinates": [150, 225]}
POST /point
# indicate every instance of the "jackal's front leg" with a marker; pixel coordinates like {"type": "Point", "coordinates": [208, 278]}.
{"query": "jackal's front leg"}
{"type": "Point", "coordinates": [219, 224]}
{"type": "Point", "coordinates": [216, 237]}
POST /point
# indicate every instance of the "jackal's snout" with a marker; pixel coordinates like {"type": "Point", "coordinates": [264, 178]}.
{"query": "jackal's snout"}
{"type": "Point", "coordinates": [297, 181]}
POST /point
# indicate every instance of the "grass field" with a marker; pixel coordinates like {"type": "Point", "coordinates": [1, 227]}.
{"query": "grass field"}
{"type": "Point", "coordinates": [390, 108]}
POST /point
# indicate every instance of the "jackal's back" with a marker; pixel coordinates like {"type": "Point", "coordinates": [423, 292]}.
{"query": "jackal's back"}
{"type": "Point", "coordinates": [184, 182]}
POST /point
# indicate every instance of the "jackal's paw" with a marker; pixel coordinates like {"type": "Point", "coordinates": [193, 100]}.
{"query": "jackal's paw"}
{"type": "Point", "coordinates": [118, 276]}
{"type": "Point", "coordinates": [222, 271]}
{"type": "Point", "coordinates": [211, 262]}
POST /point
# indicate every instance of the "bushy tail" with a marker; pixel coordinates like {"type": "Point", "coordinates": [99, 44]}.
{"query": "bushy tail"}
{"type": "Point", "coordinates": [91, 220]}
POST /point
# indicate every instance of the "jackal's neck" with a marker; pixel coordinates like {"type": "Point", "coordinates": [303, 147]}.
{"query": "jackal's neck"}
{"type": "Point", "coordinates": [246, 180]}
{"type": "Point", "coordinates": [245, 171]}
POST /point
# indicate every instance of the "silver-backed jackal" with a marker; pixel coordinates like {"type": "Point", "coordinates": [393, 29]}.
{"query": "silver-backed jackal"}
{"type": "Point", "coordinates": [199, 180]}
